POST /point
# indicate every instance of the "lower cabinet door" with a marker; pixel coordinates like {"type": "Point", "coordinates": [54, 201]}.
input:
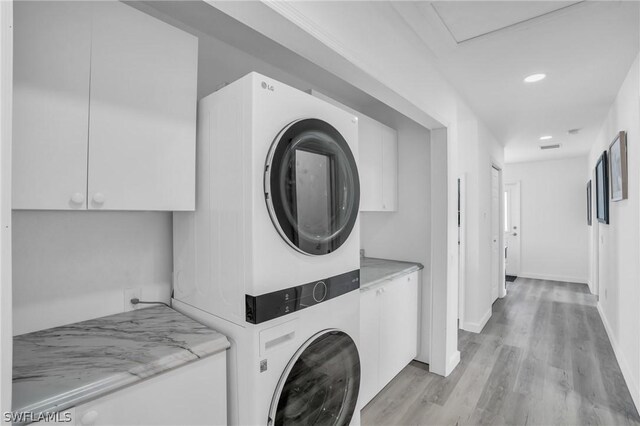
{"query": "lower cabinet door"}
{"type": "Point", "coordinates": [369, 344]}
{"type": "Point", "coordinates": [194, 394]}
{"type": "Point", "coordinates": [398, 326]}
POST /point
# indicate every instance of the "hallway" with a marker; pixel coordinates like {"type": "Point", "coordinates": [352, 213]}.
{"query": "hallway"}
{"type": "Point", "coordinates": [543, 358]}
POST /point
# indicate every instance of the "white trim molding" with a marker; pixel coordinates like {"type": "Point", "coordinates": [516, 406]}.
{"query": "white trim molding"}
{"type": "Point", "coordinates": [452, 363]}
{"type": "Point", "coordinates": [624, 365]}
{"type": "Point", "coordinates": [476, 327]}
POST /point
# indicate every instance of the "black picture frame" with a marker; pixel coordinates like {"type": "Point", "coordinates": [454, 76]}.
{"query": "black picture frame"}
{"type": "Point", "coordinates": [618, 174]}
{"type": "Point", "coordinates": [589, 204]}
{"type": "Point", "coordinates": [602, 189]}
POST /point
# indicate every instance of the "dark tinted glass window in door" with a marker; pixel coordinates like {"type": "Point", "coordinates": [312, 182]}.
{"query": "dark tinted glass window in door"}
{"type": "Point", "coordinates": [321, 388]}
{"type": "Point", "coordinates": [312, 187]}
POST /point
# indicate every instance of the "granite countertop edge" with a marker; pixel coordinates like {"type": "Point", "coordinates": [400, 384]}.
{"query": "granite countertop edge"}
{"type": "Point", "coordinates": [114, 383]}
{"type": "Point", "coordinates": [137, 372]}
{"type": "Point", "coordinates": [402, 268]}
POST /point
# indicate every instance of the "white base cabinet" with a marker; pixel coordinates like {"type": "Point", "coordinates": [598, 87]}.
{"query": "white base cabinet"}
{"type": "Point", "coordinates": [388, 332]}
{"type": "Point", "coordinates": [194, 394]}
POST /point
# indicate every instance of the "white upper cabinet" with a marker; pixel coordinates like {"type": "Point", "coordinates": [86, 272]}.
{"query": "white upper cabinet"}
{"type": "Point", "coordinates": [389, 169]}
{"type": "Point", "coordinates": [377, 161]}
{"type": "Point", "coordinates": [142, 112]}
{"type": "Point", "coordinates": [378, 147]}
{"type": "Point", "coordinates": [51, 99]}
{"type": "Point", "coordinates": [110, 124]}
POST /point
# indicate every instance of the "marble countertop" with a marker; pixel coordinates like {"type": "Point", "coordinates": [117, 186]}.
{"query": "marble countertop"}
{"type": "Point", "coordinates": [62, 367]}
{"type": "Point", "coordinates": [374, 271]}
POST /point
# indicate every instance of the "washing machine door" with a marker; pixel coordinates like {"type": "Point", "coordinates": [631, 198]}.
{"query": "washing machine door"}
{"type": "Point", "coordinates": [312, 187]}
{"type": "Point", "coordinates": [320, 384]}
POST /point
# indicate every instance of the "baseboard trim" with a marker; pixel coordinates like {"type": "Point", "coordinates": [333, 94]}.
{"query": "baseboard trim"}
{"type": "Point", "coordinates": [624, 366]}
{"type": "Point", "coordinates": [453, 362]}
{"type": "Point", "coordinates": [561, 278]}
{"type": "Point", "coordinates": [476, 327]}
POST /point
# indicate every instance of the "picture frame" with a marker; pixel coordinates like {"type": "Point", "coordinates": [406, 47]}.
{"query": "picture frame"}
{"type": "Point", "coordinates": [618, 173]}
{"type": "Point", "coordinates": [602, 189]}
{"type": "Point", "coordinates": [589, 204]}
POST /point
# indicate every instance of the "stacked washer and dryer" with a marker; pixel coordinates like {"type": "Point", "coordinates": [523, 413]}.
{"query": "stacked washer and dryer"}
{"type": "Point", "coordinates": [271, 257]}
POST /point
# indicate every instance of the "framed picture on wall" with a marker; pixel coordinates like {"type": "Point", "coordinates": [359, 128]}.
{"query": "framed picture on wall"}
{"type": "Point", "coordinates": [589, 203]}
{"type": "Point", "coordinates": [602, 189]}
{"type": "Point", "coordinates": [618, 167]}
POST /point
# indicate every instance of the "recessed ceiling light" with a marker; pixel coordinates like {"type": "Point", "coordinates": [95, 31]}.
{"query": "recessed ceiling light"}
{"type": "Point", "coordinates": [534, 77]}
{"type": "Point", "coordinates": [545, 138]}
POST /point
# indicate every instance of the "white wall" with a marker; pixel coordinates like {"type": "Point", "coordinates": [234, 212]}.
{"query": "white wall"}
{"type": "Point", "coordinates": [404, 234]}
{"type": "Point", "coordinates": [73, 266]}
{"type": "Point", "coordinates": [618, 253]}
{"type": "Point", "coordinates": [479, 151]}
{"type": "Point", "coordinates": [553, 222]}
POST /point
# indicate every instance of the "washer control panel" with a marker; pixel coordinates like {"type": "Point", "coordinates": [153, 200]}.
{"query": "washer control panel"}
{"type": "Point", "coordinates": [282, 302]}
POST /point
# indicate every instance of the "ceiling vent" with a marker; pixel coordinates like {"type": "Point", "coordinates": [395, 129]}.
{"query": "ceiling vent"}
{"type": "Point", "coordinates": [555, 146]}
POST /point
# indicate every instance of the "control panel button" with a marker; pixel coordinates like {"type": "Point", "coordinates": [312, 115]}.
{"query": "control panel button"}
{"type": "Point", "coordinates": [319, 291]}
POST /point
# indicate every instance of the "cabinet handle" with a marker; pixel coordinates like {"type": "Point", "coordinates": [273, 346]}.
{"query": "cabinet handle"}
{"type": "Point", "coordinates": [89, 418]}
{"type": "Point", "coordinates": [77, 198]}
{"type": "Point", "coordinates": [98, 198]}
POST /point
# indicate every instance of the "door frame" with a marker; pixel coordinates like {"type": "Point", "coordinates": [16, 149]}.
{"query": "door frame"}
{"type": "Point", "coordinates": [6, 117]}
{"type": "Point", "coordinates": [462, 247]}
{"type": "Point", "coordinates": [519, 202]}
{"type": "Point", "coordinates": [502, 290]}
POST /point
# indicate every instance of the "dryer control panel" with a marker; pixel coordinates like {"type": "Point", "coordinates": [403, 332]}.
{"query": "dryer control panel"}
{"type": "Point", "coordinates": [282, 302]}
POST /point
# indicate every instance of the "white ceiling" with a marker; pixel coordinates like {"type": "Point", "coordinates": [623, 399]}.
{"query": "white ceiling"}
{"type": "Point", "coordinates": [485, 49]}
{"type": "Point", "coordinates": [468, 20]}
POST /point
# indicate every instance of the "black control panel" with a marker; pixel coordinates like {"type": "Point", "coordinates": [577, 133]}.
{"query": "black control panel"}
{"type": "Point", "coordinates": [282, 302]}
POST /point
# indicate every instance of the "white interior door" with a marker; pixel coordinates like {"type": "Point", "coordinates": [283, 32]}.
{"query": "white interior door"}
{"type": "Point", "coordinates": [512, 227]}
{"type": "Point", "coordinates": [495, 233]}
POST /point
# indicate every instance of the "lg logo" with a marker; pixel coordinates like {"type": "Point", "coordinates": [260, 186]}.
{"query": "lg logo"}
{"type": "Point", "coordinates": [267, 86]}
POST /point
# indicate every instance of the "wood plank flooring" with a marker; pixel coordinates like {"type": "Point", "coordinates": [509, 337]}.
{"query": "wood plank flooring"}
{"type": "Point", "coordinates": [543, 358]}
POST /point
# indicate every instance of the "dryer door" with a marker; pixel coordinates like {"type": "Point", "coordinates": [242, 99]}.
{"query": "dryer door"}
{"type": "Point", "coordinates": [320, 384]}
{"type": "Point", "coordinates": [312, 187]}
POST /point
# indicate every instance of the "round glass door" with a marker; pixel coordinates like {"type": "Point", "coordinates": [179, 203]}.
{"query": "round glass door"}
{"type": "Point", "coordinates": [320, 384]}
{"type": "Point", "coordinates": [312, 187]}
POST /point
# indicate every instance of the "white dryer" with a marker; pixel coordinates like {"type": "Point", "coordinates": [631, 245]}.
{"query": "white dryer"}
{"type": "Point", "coordinates": [276, 205]}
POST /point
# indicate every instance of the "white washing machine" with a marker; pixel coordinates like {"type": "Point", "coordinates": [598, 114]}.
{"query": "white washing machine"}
{"type": "Point", "coordinates": [300, 369]}
{"type": "Point", "coordinates": [276, 204]}
{"type": "Point", "coordinates": [271, 256]}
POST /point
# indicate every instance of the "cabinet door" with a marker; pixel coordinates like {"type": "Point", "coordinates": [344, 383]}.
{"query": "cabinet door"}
{"type": "Point", "coordinates": [194, 394]}
{"type": "Point", "coordinates": [389, 169]}
{"type": "Point", "coordinates": [143, 106]}
{"type": "Point", "coordinates": [51, 98]}
{"type": "Point", "coordinates": [398, 326]}
{"type": "Point", "coordinates": [369, 345]}
{"type": "Point", "coordinates": [370, 164]}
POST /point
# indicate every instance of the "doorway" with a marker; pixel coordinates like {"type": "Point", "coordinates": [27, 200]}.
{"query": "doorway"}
{"type": "Point", "coordinates": [512, 229]}
{"type": "Point", "coordinates": [496, 251]}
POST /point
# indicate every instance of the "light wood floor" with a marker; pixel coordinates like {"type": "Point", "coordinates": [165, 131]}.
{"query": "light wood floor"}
{"type": "Point", "coordinates": [542, 359]}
